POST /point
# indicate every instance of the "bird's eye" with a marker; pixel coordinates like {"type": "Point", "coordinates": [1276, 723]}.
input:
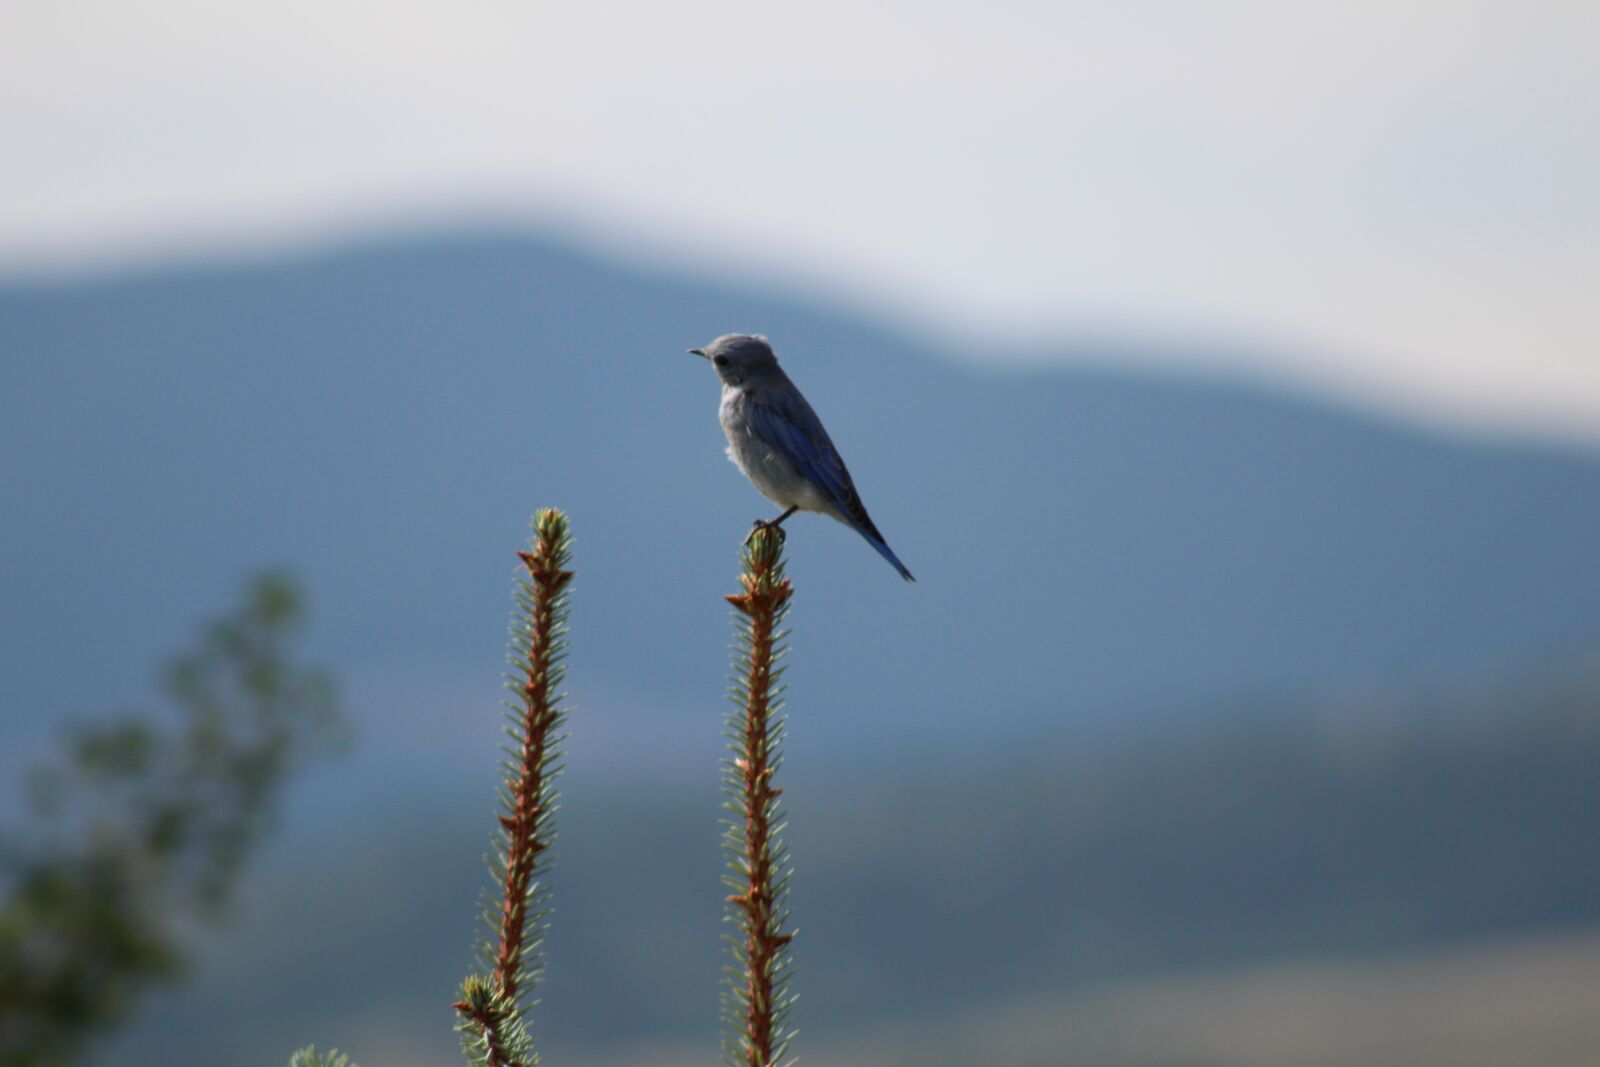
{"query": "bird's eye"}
{"type": "Point", "coordinates": [721, 361]}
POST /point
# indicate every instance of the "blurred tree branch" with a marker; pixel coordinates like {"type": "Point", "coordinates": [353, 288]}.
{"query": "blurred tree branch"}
{"type": "Point", "coordinates": [142, 827]}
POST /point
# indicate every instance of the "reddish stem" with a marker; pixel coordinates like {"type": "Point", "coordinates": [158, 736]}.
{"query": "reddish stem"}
{"type": "Point", "coordinates": [521, 823]}
{"type": "Point", "coordinates": [764, 939]}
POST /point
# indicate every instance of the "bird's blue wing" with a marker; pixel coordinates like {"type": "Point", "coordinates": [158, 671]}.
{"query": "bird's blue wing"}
{"type": "Point", "coordinates": [786, 423]}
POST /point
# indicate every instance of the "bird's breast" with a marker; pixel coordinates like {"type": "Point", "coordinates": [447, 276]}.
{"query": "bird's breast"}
{"type": "Point", "coordinates": [748, 452]}
{"type": "Point", "coordinates": [772, 475]}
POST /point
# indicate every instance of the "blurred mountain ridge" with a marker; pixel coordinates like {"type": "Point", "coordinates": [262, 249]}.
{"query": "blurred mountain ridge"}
{"type": "Point", "coordinates": [1096, 548]}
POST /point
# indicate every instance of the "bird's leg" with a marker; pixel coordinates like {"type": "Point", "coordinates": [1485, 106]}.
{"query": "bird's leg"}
{"type": "Point", "coordinates": [771, 524]}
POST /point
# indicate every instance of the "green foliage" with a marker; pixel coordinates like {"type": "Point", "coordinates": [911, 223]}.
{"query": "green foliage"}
{"type": "Point", "coordinates": [494, 1006]}
{"type": "Point", "coordinates": [310, 1057]}
{"type": "Point", "coordinates": [142, 828]}
{"type": "Point", "coordinates": [756, 999]}
{"type": "Point", "coordinates": [493, 1028]}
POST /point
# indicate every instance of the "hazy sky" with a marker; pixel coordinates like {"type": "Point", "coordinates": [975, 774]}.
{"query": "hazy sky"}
{"type": "Point", "coordinates": [1398, 198]}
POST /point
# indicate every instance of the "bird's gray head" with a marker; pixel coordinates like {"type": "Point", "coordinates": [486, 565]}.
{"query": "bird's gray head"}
{"type": "Point", "coordinates": [739, 357]}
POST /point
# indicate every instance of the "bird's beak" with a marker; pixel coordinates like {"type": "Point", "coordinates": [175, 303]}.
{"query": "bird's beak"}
{"type": "Point", "coordinates": [698, 352]}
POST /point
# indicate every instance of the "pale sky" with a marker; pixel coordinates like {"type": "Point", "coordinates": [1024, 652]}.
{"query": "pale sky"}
{"type": "Point", "coordinates": [1397, 199]}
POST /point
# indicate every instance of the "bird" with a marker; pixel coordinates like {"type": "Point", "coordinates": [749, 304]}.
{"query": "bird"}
{"type": "Point", "coordinates": [778, 442]}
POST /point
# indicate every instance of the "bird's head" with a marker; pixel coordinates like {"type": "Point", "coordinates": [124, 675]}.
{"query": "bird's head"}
{"type": "Point", "coordinates": [739, 357]}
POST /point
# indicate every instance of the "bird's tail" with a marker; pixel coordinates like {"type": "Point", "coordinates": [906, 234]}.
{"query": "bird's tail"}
{"type": "Point", "coordinates": [877, 542]}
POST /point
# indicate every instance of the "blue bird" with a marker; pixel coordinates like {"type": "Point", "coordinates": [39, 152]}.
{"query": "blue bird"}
{"type": "Point", "coordinates": [779, 443]}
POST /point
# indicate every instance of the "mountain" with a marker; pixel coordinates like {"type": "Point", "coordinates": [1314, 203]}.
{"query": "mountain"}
{"type": "Point", "coordinates": [1121, 727]}
{"type": "Point", "coordinates": [1094, 548]}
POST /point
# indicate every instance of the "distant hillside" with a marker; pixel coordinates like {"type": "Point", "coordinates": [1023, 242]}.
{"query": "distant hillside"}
{"type": "Point", "coordinates": [1092, 547]}
{"type": "Point", "coordinates": [922, 893]}
{"type": "Point", "coordinates": [1529, 1000]}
